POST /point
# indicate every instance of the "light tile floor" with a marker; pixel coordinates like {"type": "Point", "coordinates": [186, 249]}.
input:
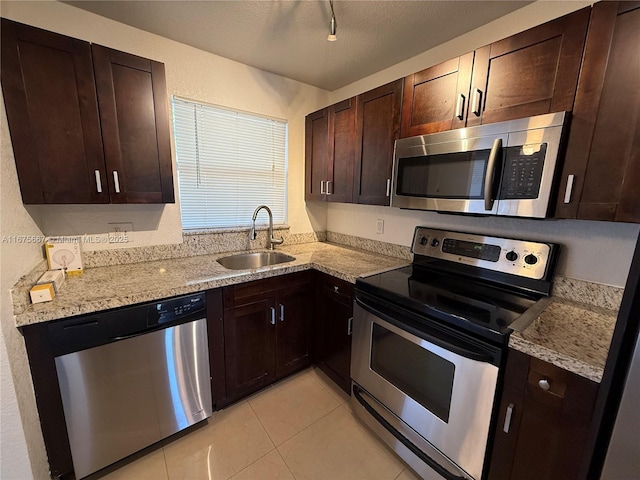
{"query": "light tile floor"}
{"type": "Point", "coordinates": [301, 428]}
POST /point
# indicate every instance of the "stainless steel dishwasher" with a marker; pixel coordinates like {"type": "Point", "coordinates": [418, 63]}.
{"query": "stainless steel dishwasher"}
{"type": "Point", "coordinates": [131, 377]}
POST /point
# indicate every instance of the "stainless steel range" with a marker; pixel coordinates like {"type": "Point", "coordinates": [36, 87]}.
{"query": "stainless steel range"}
{"type": "Point", "coordinates": [429, 341]}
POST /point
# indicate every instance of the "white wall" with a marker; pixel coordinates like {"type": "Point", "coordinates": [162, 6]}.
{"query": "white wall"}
{"type": "Point", "coordinates": [19, 459]}
{"type": "Point", "coordinates": [191, 73]}
{"type": "Point", "coordinates": [595, 251]}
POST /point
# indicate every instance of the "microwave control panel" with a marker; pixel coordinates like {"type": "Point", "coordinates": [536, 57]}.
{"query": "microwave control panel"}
{"type": "Point", "coordinates": [522, 172]}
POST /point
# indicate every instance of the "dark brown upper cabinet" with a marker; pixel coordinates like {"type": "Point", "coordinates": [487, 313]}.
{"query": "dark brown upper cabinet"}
{"type": "Point", "coordinates": [85, 128]}
{"type": "Point", "coordinates": [436, 99]}
{"type": "Point", "coordinates": [602, 162]}
{"type": "Point", "coordinates": [377, 129]}
{"type": "Point", "coordinates": [531, 73]}
{"type": "Point", "coordinates": [330, 149]}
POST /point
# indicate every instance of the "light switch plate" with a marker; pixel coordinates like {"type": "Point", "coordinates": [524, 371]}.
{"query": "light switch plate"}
{"type": "Point", "coordinates": [379, 226]}
{"type": "Point", "coordinates": [120, 232]}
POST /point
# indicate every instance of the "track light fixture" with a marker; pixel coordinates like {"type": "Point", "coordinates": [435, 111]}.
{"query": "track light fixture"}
{"type": "Point", "coordinates": [332, 35]}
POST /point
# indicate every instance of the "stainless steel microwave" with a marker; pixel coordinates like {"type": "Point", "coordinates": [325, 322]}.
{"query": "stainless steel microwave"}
{"type": "Point", "coordinates": [505, 168]}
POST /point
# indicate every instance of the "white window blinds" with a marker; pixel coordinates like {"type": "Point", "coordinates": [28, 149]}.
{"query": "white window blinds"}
{"type": "Point", "coordinates": [229, 163]}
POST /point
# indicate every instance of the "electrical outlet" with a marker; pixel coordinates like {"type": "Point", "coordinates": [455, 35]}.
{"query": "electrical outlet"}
{"type": "Point", "coordinates": [379, 226]}
{"type": "Point", "coordinates": [120, 232]}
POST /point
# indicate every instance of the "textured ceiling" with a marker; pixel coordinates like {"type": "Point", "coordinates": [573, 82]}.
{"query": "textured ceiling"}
{"type": "Point", "coordinates": [289, 37]}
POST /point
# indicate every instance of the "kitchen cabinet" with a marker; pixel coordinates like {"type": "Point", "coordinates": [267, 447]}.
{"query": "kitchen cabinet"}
{"type": "Point", "coordinates": [333, 325]}
{"type": "Point", "coordinates": [602, 164]}
{"type": "Point", "coordinates": [377, 129]}
{"type": "Point", "coordinates": [267, 332]}
{"type": "Point", "coordinates": [531, 73]}
{"type": "Point", "coordinates": [88, 124]}
{"type": "Point", "coordinates": [437, 98]}
{"type": "Point", "coordinates": [543, 421]}
{"type": "Point", "coordinates": [330, 149]}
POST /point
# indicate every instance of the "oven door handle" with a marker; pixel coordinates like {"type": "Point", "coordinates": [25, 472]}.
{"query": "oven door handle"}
{"type": "Point", "coordinates": [452, 347]}
{"type": "Point", "coordinates": [402, 439]}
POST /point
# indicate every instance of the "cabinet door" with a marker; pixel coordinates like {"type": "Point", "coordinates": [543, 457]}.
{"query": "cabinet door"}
{"type": "Point", "coordinates": [249, 337]}
{"type": "Point", "coordinates": [335, 314]}
{"type": "Point", "coordinates": [550, 421]}
{"type": "Point", "coordinates": [437, 98]}
{"type": "Point", "coordinates": [531, 73]}
{"type": "Point", "coordinates": [342, 117]}
{"type": "Point", "coordinates": [135, 126]}
{"type": "Point", "coordinates": [602, 151]}
{"type": "Point", "coordinates": [316, 156]}
{"type": "Point", "coordinates": [377, 129]}
{"type": "Point", "coordinates": [294, 308]}
{"type": "Point", "coordinates": [50, 97]}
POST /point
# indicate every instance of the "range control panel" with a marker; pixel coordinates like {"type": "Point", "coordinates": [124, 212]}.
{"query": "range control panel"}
{"type": "Point", "coordinates": [506, 255]}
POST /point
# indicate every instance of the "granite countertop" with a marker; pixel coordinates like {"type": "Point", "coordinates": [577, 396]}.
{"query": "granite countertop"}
{"type": "Point", "coordinates": [571, 335]}
{"type": "Point", "coordinates": [109, 287]}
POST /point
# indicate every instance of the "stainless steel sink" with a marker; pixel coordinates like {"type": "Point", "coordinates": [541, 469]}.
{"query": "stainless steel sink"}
{"type": "Point", "coordinates": [243, 261]}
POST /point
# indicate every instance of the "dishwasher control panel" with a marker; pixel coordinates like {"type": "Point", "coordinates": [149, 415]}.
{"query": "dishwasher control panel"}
{"type": "Point", "coordinates": [174, 309]}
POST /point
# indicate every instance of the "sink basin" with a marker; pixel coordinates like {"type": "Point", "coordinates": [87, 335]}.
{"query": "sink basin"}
{"type": "Point", "coordinates": [243, 261]}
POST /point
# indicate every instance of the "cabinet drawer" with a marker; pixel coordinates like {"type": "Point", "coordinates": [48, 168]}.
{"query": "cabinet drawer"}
{"type": "Point", "coordinates": [340, 290]}
{"type": "Point", "coordinates": [249, 292]}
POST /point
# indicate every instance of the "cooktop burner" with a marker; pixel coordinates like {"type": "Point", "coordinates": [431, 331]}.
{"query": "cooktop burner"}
{"type": "Point", "coordinates": [453, 281]}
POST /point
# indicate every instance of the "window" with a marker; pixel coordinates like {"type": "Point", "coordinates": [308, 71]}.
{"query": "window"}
{"type": "Point", "coordinates": [229, 162]}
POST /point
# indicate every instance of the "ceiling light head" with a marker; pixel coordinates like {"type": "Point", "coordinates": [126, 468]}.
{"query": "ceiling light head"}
{"type": "Point", "coordinates": [332, 32]}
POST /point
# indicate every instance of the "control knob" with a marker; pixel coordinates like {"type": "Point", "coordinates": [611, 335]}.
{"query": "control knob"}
{"type": "Point", "coordinates": [435, 242]}
{"type": "Point", "coordinates": [512, 256]}
{"type": "Point", "coordinates": [531, 259]}
{"type": "Point", "coordinates": [423, 241]}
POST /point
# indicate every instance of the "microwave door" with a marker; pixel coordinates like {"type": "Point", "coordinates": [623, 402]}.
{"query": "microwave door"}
{"type": "Point", "coordinates": [455, 176]}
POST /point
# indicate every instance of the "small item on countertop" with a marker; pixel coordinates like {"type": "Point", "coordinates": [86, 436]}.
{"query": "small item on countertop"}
{"type": "Point", "coordinates": [64, 253]}
{"type": "Point", "coordinates": [42, 293]}
{"type": "Point", "coordinates": [52, 276]}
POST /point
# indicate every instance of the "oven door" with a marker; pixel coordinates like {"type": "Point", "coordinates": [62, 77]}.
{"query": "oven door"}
{"type": "Point", "coordinates": [453, 175]}
{"type": "Point", "coordinates": [426, 380]}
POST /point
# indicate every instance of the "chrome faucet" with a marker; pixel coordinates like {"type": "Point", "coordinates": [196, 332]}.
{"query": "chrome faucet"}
{"type": "Point", "coordinates": [270, 240]}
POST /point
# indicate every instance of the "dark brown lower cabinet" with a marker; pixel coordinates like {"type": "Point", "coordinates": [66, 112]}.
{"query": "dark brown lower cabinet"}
{"type": "Point", "coordinates": [333, 329]}
{"type": "Point", "coordinates": [545, 414]}
{"type": "Point", "coordinates": [267, 333]}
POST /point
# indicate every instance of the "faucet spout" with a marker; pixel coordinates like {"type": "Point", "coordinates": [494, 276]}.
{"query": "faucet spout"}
{"type": "Point", "coordinates": [271, 241]}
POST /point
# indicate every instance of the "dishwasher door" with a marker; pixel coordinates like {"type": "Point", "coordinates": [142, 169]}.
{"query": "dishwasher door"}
{"type": "Point", "coordinates": [121, 397]}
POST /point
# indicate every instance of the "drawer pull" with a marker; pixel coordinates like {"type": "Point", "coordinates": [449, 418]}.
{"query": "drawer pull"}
{"type": "Point", "coordinates": [98, 181]}
{"type": "Point", "coordinates": [116, 181]}
{"type": "Point", "coordinates": [322, 190]}
{"type": "Point", "coordinates": [507, 418]}
{"type": "Point", "coordinates": [569, 189]}
{"type": "Point", "coordinates": [273, 315]}
{"type": "Point", "coordinates": [543, 383]}
{"type": "Point", "coordinates": [350, 326]}
{"type": "Point", "coordinates": [281, 312]}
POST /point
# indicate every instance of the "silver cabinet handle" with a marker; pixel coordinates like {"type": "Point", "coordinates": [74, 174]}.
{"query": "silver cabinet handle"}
{"type": "Point", "coordinates": [116, 181]}
{"type": "Point", "coordinates": [460, 106]}
{"type": "Point", "coordinates": [350, 326]}
{"type": "Point", "coordinates": [322, 192]}
{"type": "Point", "coordinates": [569, 189]}
{"type": "Point", "coordinates": [273, 315]}
{"type": "Point", "coordinates": [477, 100]}
{"type": "Point", "coordinates": [336, 288]}
{"type": "Point", "coordinates": [98, 181]}
{"type": "Point", "coordinates": [329, 182]}
{"type": "Point", "coordinates": [543, 383]}
{"type": "Point", "coordinates": [388, 187]}
{"type": "Point", "coordinates": [507, 418]}
{"type": "Point", "coordinates": [489, 176]}
{"type": "Point", "coordinates": [281, 312]}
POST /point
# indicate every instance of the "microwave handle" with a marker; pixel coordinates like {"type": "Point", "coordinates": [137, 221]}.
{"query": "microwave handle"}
{"type": "Point", "coordinates": [490, 174]}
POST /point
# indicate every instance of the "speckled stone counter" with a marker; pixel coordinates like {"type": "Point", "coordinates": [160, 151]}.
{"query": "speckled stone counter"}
{"type": "Point", "coordinates": [114, 286]}
{"type": "Point", "coordinates": [574, 336]}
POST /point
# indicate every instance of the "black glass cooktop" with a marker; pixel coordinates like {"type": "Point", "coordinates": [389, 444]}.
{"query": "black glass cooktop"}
{"type": "Point", "coordinates": [469, 304]}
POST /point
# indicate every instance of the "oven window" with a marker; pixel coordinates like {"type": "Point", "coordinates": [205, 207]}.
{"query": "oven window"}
{"type": "Point", "coordinates": [421, 374]}
{"type": "Point", "coordinates": [449, 175]}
